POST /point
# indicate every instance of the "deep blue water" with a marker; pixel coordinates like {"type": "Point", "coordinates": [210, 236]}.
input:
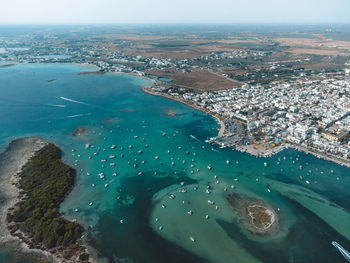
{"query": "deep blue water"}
{"type": "Point", "coordinates": [154, 153]}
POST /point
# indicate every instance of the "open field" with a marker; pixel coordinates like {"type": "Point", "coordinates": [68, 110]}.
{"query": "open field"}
{"type": "Point", "coordinates": [201, 79]}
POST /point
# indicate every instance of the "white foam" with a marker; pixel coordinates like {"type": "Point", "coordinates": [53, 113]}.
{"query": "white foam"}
{"type": "Point", "coordinates": [71, 100]}
{"type": "Point", "coordinates": [79, 115]}
{"type": "Point", "coordinates": [57, 105]}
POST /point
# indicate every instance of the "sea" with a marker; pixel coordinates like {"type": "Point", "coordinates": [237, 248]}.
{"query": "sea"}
{"type": "Point", "coordinates": [150, 189]}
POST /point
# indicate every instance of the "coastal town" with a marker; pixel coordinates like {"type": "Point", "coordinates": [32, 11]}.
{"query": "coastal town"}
{"type": "Point", "coordinates": [265, 98]}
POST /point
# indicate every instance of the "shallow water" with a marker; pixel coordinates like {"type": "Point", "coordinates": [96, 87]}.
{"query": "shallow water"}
{"type": "Point", "coordinates": [114, 111]}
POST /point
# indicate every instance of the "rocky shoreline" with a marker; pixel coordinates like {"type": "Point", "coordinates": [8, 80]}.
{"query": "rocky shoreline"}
{"type": "Point", "coordinates": [12, 161]}
{"type": "Point", "coordinates": [257, 216]}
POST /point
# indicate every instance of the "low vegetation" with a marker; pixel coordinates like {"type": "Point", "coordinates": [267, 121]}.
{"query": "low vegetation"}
{"type": "Point", "coordinates": [45, 181]}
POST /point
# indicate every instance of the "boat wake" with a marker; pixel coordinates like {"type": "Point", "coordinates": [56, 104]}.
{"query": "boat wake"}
{"type": "Point", "coordinates": [56, 105]}
{"type": "Point", "coordinates": [71, 100]}
{"type": "Point", "coordinates": [194, 138]}
{"type": "Point", "coordinates": [78, 115]}
{"type": "Point", "coordinates": [342, 250]}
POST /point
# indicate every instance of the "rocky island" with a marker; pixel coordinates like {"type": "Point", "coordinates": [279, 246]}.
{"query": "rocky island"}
{"type": "Point", "coordinates": [33, 216]}
{"type": "Point", "coordinates": [257, 216]}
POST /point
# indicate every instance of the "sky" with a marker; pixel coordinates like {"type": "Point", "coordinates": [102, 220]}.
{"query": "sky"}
{"type": "Point", "coordinates": [173, 11]}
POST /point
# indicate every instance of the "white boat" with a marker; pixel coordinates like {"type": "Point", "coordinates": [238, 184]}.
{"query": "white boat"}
{"type": "Point", "coordinates": [342, 250]}
{"type": "Point", "coordinates": [90, 204]}
{"type": "Point", "coordinates": [106, 185]}
{"type": "Point", "coordinates": [111, 156]}
{"type": "Point", "coordinates": [209, 167]}
{"type": "Point", "coordinates": [114, 174]}
{"type": "Point", "coordinates": [210, 202]}
{"type": "Point", "coordinates": [192, 239]}
{"type": "Point", "coordinates": [227, 162]}
{"type": "Point", "coordinates": [87, 146]}
{"type": "Point", "coordinates": [101, 175]}
{"type": "Point", "coordinates": [265, 164]}
{"type": "Point", "coordinates": [113, 147]}
{"type": "Point", "coordinates": [206, 216]}
{"type": "Point", "coordinates": [190, 212]}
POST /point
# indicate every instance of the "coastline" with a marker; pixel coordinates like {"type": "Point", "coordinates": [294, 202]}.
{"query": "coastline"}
{"type": "Point", "coordinates": [248, 149]}
{"type": "Point", "coordinates": [220, 122]}
{"type": "Point", "coordinates": [12, 160]}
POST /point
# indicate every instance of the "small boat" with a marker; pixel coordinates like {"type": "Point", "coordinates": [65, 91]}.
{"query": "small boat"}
{"type": "Point", "coordinates": [114, 174]}
{"type": "Point", "coordinates": [101, 175]}
{"type": "Point", "coordinates": [87, 146]}
{"type": "Point", "coordinates": [190, 212]}
{"type": "Point", "coordinates": [171, 196]}
{"type": "Point", "coordinates": [210, 202]}
{"type": "Point", "coordinates": [111, 156]}
{"type": "Point", "coordinates": [209, 167]}
{"type": "Point", "coordinates": [265, 164]}
{"type": "Point", "coordinates": [112, 164]}
{"type": "Point", "coordinates": [192, 239]}
{"type": "Point", "coordinates": [90, 204]}
{"type": "Point", "coordinates": [121, 221]}
{"type": "Point", "coordinates": [206, 216]}
{"type": "Point", "coordinates": [161, 228]}
{"type": "Point", "coordinates": [103, 160]}
{"type": "Point", "coordinates": [227, 162]}
{"type": "Point", "coordinates": [139, 152]}
{"type": "Point", "coordinates": [342, 250]}
{"type": "Point", "coordinates": [113, 147]}
{"type": "Point", "coordinates": [156, 157]}
{"type": "Point", "coordinates": [163, 206]}
{"type": "Point", "coordinates": [106, 185]}
{"type": "Point", "coordinates": [157, 219]}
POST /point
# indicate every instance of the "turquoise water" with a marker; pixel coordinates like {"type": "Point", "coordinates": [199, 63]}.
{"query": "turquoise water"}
{"type": "Point", "coordinates": [156, 155]}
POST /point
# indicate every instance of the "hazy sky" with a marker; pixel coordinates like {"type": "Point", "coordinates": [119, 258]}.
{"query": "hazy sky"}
{"type": "Point", "coordinates": [174, 11]}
